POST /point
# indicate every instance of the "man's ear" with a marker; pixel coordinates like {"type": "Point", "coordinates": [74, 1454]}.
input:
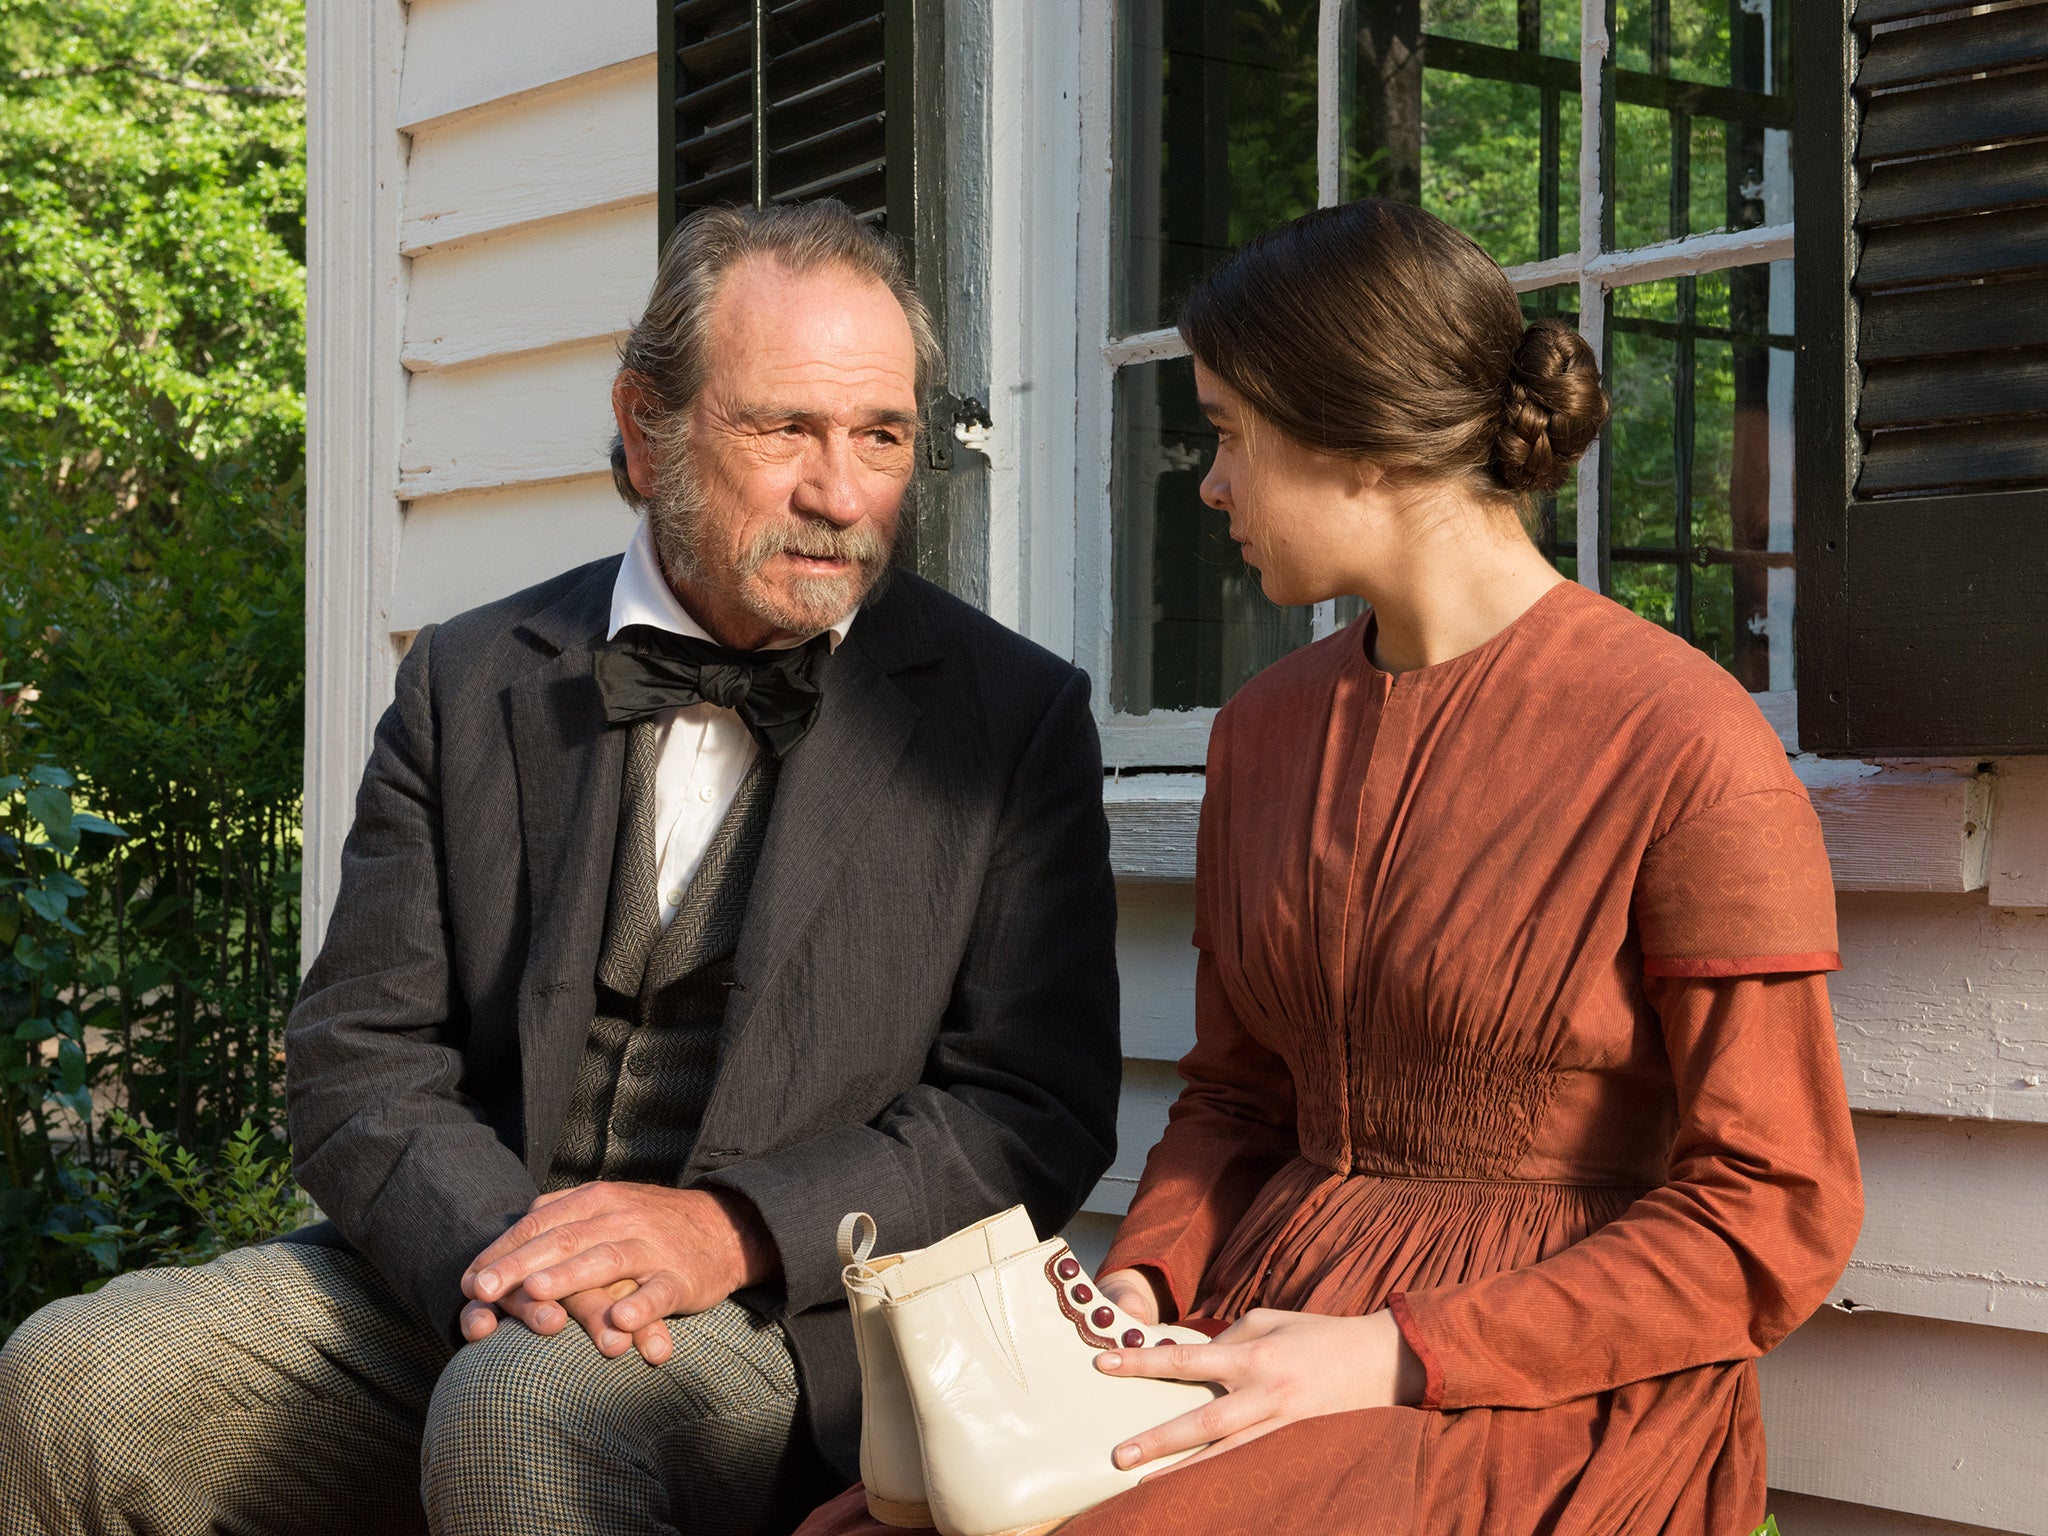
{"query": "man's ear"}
{"type": "Point", "coordinates": [629, 399]}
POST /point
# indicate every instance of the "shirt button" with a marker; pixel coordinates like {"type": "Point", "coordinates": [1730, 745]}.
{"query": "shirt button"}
{"type": "Point", "coordinates": [707, 794]}
{"type": "Point", "coordinates": [674, 898]}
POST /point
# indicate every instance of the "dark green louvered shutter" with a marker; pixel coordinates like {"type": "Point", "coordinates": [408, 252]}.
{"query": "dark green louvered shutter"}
{"type": "Point", "coordinates": [1922, 214]}
{"type": "Point", "coordinates": [773, 101]}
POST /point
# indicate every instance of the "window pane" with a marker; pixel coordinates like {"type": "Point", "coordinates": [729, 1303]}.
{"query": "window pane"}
{"type": "Point", "coordinates": [1699, 96]}
{"type": "Point", "coordinates": [1470, 107]}
{"type": "Point", "coordinates": [1191, 623]}
{"type": "Point", "coordinates": [1218, 140]}
{"type": "Point", "coordinates": [1699, 474]}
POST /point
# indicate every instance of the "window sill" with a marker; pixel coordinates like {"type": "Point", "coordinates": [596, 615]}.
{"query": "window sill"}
{"type": "Point", "coordinates": [1890, 825]}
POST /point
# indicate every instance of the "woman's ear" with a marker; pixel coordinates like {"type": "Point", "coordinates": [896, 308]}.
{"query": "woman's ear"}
{"type": "Point", "coordinates": [1366, 476]}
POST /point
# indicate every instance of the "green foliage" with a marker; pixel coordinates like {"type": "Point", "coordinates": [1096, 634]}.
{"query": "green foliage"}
{"type": "Point", "coordinates": [152, 218]}
{"type": "Point", "coordinates": [1768, 1528]}
{"type": "Point", "coordinates": [152, 338]}
{"type": "Point", "coordinates": [248, 1198]}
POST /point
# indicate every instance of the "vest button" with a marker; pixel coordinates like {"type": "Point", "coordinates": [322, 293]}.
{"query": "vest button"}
{"type": "Point", "coordinates": [626, 1124]}
{"type": "Point", "coordinates": [640, 1066]}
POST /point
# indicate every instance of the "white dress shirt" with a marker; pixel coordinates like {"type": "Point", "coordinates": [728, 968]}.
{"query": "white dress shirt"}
{"type": "Point", "coordinates": [704, 750]}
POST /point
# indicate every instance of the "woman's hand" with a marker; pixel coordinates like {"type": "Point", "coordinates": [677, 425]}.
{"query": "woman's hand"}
{"type": "Point", "coordinates": [1275, 1368]}
{"type": "Point", "coordinates": [1132, 1290]}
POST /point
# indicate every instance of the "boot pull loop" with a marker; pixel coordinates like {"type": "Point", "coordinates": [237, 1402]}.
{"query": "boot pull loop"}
{"type": "Point", "coordinates": [857, 1234]}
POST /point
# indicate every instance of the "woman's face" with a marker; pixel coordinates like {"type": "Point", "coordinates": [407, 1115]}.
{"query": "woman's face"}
{"type": "Point", "coordinates": [1294, 512]}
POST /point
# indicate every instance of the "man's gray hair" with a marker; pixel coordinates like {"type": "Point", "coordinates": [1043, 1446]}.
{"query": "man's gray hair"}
{"type": "Point", "coordinates": [666, 350]}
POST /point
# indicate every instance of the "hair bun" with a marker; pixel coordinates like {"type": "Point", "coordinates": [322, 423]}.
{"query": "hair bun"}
{"type": "Point", "coordinates": [1554, 408]}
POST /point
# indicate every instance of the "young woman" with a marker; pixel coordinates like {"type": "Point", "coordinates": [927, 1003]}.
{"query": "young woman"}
{"type": "Point", "coordinates": [1514, 1130]}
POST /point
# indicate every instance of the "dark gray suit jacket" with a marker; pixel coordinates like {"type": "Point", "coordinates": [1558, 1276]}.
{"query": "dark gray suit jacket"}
{"type": "Point", "coordinates": [924, 1025]}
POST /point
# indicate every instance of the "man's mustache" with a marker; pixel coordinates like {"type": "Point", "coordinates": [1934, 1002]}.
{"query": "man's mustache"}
{"type": "Point", "coordinates": [816, 540]}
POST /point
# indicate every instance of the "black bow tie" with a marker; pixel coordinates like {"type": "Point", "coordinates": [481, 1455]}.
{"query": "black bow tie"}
{"type": "Point", "coordinates": [775, 693]}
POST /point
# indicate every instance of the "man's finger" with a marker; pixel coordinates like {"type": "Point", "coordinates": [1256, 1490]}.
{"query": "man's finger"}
{"type": "Point", "coordinates": [659, 1295]}
{"type": "Point", "coordinates": [543, 1317]}
{"type": "Point", "coordinates": [588, 1268]}
{"type": "Point", "coordinates": [553, 1247]}
{"type": "Point", "coordinates": [591, 1309]}
{"type": "Point", "coordinates": [479, 1320]}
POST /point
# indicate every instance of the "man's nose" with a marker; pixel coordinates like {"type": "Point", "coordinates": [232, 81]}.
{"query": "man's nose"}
{"type": "Point", "coordinates": [831, 487]}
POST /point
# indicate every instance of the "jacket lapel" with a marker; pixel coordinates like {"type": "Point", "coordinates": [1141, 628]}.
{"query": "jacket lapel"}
{"type": "Point", "coordinates": [569, 765]}
{"type": "Point", "coordinates": [828, 789]}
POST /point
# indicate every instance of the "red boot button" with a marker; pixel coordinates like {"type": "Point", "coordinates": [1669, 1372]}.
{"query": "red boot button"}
{"type": "Point", "coordinates": [1068, 1268]}
{"type": "Point", "coordinates": [1102, 1317]}
{"type": "Point", "coordinates": [1134, 1338]}
{"type": "Point", "coordinates": [1083, 1295]}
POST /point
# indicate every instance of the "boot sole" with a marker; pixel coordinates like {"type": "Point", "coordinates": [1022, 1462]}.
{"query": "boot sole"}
{"type": "Point", "coordinates": [901, 1514]}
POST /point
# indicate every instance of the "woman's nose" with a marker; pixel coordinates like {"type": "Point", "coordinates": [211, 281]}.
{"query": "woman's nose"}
{"type": "Point", "coordinates": [1216, 489]}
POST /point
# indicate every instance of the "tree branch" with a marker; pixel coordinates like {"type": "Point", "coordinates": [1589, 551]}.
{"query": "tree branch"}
{"type": "Point", "coordinates": [182, 82]}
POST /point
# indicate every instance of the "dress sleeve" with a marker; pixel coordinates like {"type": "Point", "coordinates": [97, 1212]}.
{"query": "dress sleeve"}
{"type": "Point", "coordinates": [1229, 1132]}
{"type": "Point", "coordinates": [1739, 889]}
{"type": "Point", "coordinates": [1736, 1249]}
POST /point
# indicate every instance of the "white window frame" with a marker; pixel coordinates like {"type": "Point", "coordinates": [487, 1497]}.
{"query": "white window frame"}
{"type": "Point", "coordinates": [1086, 630]}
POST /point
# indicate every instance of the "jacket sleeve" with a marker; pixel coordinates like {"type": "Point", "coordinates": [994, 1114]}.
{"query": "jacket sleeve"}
{"type": "Point", "coordinates": [1738, 1247]}
{"type": "Point", "coordinates": [383, 1138]}
{"type": "Point", "coordinates": [1017, 1103]}
{"type": "Point", "coordinates": [1229, 1132]}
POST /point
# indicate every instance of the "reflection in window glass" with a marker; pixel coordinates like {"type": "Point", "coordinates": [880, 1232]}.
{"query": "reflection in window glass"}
{"type": "Point", "coordinates": [1469, 107]}
{"type": "Point", "coordinates": [1699, 466]}
{"type": "Point", "coordinates": [1191, 624]}
{"type": "Point", "coordinates": [1218, 142]}
{"type": "Point", "coordinates": [1692, 158]}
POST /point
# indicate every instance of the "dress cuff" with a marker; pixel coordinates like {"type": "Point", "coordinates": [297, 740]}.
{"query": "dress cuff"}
{"type": "Point", "coordinates": [1746, 965]}
{"type": "Point", "coordinates": [1432, 1372]}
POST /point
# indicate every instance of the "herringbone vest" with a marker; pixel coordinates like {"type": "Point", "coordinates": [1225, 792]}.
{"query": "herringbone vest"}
{"type": "Point", "coordinates": [652, 1056]}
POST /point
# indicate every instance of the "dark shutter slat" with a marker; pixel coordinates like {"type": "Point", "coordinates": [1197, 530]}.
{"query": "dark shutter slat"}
{"type": "Point", "coordinates": [2009, 175]}
{"type": "Point", "coordinates": [695, 17]}
{"type": "Point", "coordinates": [863, 131]}
{"type": "Point", "coordinates": [861, 39]}
{"type": "Point", "coordinates": [1927, 119]}
{"type": "Point", "coordinates": [1980, 246]}
{"type": "Point", "coordinates": [1977, 456]}
{"type": "Point", "coordinates": [731, 96]}
{"type": "Point", "coordinates": [1947, 321]}
{"type": "Point", "coordinates": [1873, 13]}
{"type": "Point", "coordinates": [1953, 389]}
{"type": "Point", "coordinates": [863, 82]}
{"type": "Point", "coordinates": [808, 18]}
{"type": "Point", "coordinates": [733, 184]}
{"type": "Point", "coordinates": [829, 185]}
{"type": "Point", "coordinates": [719, 54]}
{"type": "Point", "coordinates": [1965, 45]}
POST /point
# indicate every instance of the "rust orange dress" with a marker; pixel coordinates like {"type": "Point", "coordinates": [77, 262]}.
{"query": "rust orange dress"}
{"type": "Point", "coordinates": [1509, 1017]}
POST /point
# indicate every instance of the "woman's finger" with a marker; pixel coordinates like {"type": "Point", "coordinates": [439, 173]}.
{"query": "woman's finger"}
{"type": "Point", "coordinates": [1216, 1448]}
{"type": "Point", "coordinates": [1173, 1362]}
{"type": "Point", "coordinates": [1213, 1421]}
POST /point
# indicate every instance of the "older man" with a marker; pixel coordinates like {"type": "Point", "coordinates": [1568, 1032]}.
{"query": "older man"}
{"type": "Point", "coordinates": [693, 900]}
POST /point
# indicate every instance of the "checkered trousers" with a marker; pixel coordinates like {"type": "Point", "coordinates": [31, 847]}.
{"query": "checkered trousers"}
{"type": "Point", "coordinates": [284, 1389]}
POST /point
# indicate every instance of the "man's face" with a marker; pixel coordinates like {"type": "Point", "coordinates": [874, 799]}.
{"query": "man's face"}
{"type": "Point", "coordinates": [776, 503]}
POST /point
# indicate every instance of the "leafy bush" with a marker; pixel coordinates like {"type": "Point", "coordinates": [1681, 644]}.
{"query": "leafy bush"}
{"type": "Point", "coordinates": [152, 340]}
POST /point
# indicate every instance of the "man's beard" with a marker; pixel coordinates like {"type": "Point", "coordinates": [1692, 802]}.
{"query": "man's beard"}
{"type": "Point", "coordinates": [684, 532]}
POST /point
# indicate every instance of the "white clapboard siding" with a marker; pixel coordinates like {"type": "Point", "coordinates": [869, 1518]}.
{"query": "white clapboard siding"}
{"type": "Point", "coordinates": [1942, 1006]}
{"type": "Point", "coordinates": [457, 552]}
{"type": "Point", "coordinates": [1150, 1088]}
{"type": "Point", "coordinates": [463, 53]}
{"type": "Point", "coordinates": [535, 417]}
{"type": "Point", "coordinates": [1927, 1418]}
{"type": "Point", "coordinates": [1922, 827]}
{"type": "Point", "coordinates": [1955, 1222]}
{"type": "Point", "coordinates": [546, 285]}
{"type": "Point", "coordinates": [1801, 1514]}
{"type": "Point", "coordinates": [586, 143]}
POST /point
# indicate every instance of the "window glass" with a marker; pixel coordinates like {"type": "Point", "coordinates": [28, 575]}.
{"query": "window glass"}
{"type": "Point", "coordinates": [1218, 139]}
{"type": "Point", "coordinates": [1191, 624]}
{"type": "Point", "coordinates": [1699, 472]}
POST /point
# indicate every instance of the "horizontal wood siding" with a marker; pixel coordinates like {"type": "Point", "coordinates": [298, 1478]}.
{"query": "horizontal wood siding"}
{"type": "Point", "coordinates": [530, 217]}
{"type": "Point", "coordinates": [465, 550]}
{"type": "Point", "coordinates": [461, 54]}
{"type": "Point", "coordinates": [587, 143]}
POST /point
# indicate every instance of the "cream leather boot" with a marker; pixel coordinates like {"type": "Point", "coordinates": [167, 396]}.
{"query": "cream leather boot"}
{"type": "Point", "coordinates": [891, 1463]}
{"type": "Point", "coordinates": [1016, 1424]}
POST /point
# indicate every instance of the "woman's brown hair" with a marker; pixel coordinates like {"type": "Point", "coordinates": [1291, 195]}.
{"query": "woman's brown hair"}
{"type": "Point", "coordinates": [1374, 330]}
